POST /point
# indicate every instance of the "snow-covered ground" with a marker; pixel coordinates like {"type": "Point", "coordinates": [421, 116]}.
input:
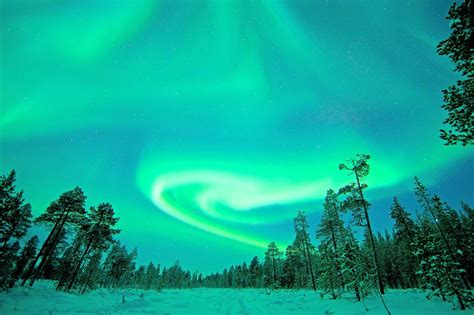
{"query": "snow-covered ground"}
{"type": "Point", "coordinates": [43, 299]}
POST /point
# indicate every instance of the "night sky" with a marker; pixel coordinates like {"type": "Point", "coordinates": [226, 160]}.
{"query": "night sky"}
{"type": "Point", "coordinates": [208, 124]}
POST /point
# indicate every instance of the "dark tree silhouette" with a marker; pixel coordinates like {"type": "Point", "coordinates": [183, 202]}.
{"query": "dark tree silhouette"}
{"type": "Point", "coordinates": [459, 98]}
{"type": "Point", "coordinates": [15, 219]}
{"type": "Point", "coordinates": [67, 209]}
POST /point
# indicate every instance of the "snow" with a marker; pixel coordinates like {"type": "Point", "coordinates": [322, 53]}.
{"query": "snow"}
{"type": "Point", "coordinates": [43, 299]}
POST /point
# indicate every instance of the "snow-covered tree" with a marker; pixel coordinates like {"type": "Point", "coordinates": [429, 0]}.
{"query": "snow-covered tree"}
{"type": "Point", "coordinates": [329, 280]}
{"type": "Point", "coordinates": [15, 219]}
{"type": "Point", "coordinates": [359, 206]}
{"type": "Point", "coordinates": [330, 231]}
{"type": "Point", "coordinates": [441, 275]}
{"type": "Point", "coordinates": [302, 245]}
{"type": "Point", "coordinates": [434, 207]}
{"type": "Point", "coordinates": [272, 266]}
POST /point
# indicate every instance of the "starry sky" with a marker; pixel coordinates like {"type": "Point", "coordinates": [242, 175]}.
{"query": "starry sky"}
{"type": "Point", "coordinates": [208, 124]}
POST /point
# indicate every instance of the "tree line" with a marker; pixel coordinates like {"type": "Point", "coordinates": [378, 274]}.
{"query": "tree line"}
{"type": "Point", "coordinates": [433, 251]}
{"type": "Point", "coordinates": [79, 253]}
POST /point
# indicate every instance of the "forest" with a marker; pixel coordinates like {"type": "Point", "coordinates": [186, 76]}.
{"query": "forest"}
{"type": "Point", "coordinates": [433, 251]}
{"type": "Point", "coordinates": [340, 257]}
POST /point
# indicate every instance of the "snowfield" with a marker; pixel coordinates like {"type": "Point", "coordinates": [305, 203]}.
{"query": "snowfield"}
{"type": "Point", "coordinates": [43, 299]}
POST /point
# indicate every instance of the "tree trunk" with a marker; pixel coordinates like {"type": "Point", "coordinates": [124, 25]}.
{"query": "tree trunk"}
{"type": "Point", "coordinates": [336, 253]}
{"type": "Point", "coordinates": [32, 265]}
{"type": "Point", "coordinates": [45, 251]}
{"type": "Point", "coordinates": [356, 288]}
{"type": "Point", "coordinates": [78, 266]}
{"type": "Point", "coordinates": [371, 236]}
{"type": "Point", "coordinates": [273, 263]}
{"type": "Point", "coordinates": [49, 249]}
{"type": "Point", "coordinates": [308, 259]}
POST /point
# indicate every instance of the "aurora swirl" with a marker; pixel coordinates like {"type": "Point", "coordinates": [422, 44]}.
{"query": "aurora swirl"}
{"type": "Point", "coordinates": [207, 124]}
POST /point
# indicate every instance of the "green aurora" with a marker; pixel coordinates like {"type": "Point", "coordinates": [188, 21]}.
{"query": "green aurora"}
{"type": "Point", "coordinates": [208, 124]}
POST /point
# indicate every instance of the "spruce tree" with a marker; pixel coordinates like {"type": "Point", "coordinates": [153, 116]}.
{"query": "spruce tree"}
{"type": "Point", "coordinates": [405, 231]}
{"type": "Point", "coordinates": [329, 279]}
{"type": "Point", "coordinates": [441, 275]}
{"type": "Point", "coordinates": [352, 267]}
{"type": "Point", "coordinates": [433, 206]}
{"type": "Point", "coordinates": [404, 226]}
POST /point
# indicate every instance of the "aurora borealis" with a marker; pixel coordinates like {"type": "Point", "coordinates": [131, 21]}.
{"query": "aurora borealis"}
{"type": "Point", "coordinates": [208, 124]}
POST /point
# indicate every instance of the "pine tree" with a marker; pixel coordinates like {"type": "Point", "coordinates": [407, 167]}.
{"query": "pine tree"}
{"type": "Point", "coordinates": [405, 231]}
{"type": "Point", "coordinates": [127, 267]}
{"type": "Point", "coordinates": [99, 236]}
{"type": "Point", "coordinates": [390, 268]}
{"type": "Point", "coordinates": [467, 223]}
{"type": "Point", "coordinates": [434, 207]}
{"type": "Point", "coordinates": [255, 272]}
{"type": "Point", "coordinates": [359, 206]}
{"type": "Point", "coordinates": [117, 266]}
{"type": "Point", "coordinates": [450, 221]}
{"type": "Point", "coordinates": [52, 264]}
{"type": "Point", "coordinates": [92, 272]}
{"type": "Point", "coordinates": [303, 244]}
{"type": "Point", "coordinates": [271, 266]}
{"type": "Point", "coordinates": [67, 209]}
{"type": "Point", "coordinates": [27, 255]}
{"type": "Point", "coordinates": [176, 276]}
{"type": "Point", "coordinates": [7, 261]}
{"type": "Point", "coordinates": [236, 280]}
{"type": "Point", "coordinates": [245, 275]}
{"type": "Point", "coordinates": [330, 230]}
{"type": "Point", "coordinates": [164, 278]}
{"type": "Point", "coordinates": [459, 98]}
{"type": "Point", "coordinates": [71, 256]}
{"type": "Point", "coordinates": [151, 277]}
{"type": "Point", "coordinates": [139, 278]}
{"type": "Point", "coordinates": [15, 219]}
{"type": "Point", "coordinates": [293, 270]}
{"type": "Point", "coordinates": [195, 277]}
